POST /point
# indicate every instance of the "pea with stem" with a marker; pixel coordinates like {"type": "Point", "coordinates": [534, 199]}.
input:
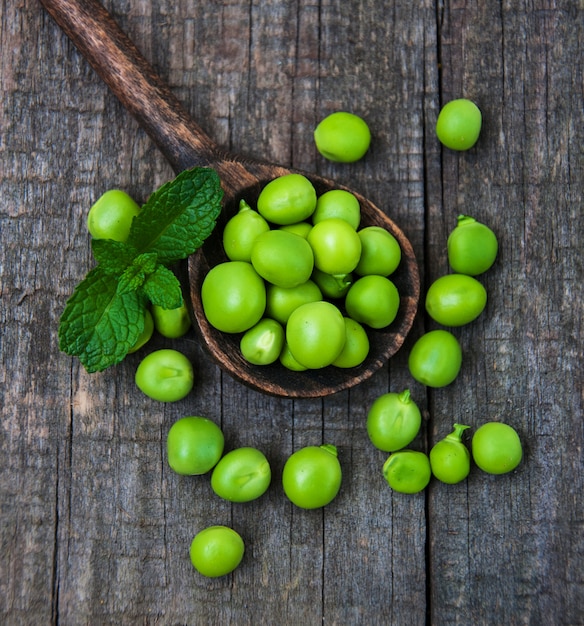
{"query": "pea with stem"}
{"type": "Point", "coordinates": [450, 458]}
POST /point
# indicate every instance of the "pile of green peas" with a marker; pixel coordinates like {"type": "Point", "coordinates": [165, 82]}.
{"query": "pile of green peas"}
{"type": "Point", "coordinates": [303, 282]}
{"type": "Point", "coordinates": [311, 479]}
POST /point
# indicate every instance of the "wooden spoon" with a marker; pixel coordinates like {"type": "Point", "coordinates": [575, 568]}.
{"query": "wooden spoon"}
{"type": "Point", "coordinates": [185, 145]}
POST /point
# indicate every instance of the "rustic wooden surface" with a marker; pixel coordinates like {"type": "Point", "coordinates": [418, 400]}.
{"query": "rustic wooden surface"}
{"type": "Point", "coordinates": [94, 528]}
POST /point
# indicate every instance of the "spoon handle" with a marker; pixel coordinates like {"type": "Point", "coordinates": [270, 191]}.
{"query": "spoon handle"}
{"type": "Point", "coordinates": [134, 82]}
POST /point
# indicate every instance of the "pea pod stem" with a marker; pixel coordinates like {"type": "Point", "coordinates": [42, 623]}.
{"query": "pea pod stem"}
{"type": "Point", "coordinates": [456, 434]}
{"type": "Point", "coordinates": [461, 220]}
{"type": "Point", "coordinates": [330, 448]}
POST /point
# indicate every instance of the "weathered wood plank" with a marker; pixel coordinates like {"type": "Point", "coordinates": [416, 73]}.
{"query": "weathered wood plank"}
{"type": "Point", "coordinates": [94, 527]}
{"type": "Point", "coordinates": [506, 549]}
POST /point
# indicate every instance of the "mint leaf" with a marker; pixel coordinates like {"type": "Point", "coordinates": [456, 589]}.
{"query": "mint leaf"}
{"type": "Point", "coordinates": [178, 217]}
{"type": "Point", "coordinates": [98, 324]}
{"type": "Point", "coordinates": [105, 315]}
{"type": "Point", "coordinates": [136, 274]}
{"type": "Point", "coordinates": [162, 288]}
{"type": "Point", "coordinates": [113, 256]}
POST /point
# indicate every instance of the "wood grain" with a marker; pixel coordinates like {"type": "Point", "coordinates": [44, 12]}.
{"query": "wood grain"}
{"type": "Point", "coordinates": [94, 528]}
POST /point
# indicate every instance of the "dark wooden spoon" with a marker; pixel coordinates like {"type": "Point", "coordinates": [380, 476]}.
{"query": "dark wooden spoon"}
{"type": "Point", "coordinates": [185, 145]}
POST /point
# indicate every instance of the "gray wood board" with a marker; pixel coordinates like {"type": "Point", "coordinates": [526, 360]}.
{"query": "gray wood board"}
{"type": "Point", "coordinates": [95, 527]}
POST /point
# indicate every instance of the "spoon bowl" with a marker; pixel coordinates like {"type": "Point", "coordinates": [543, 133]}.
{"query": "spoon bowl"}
{"type": "Point", "coordinates": [185, 145]}
{"type": "Point", "coordinates": [275, 379]}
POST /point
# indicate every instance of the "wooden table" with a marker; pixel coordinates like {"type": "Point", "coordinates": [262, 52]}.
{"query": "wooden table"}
{"type": "Point", "coordinates": [94, 526]}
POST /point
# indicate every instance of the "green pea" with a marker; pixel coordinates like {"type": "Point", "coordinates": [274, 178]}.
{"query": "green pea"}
{"type": "Point", "coordinates": [356, 346]}
{"type": "Point", "coordinates": [194, 445]}
{"type": "Point", "coordinates": [216, 551]}
{"type": "Point", "coordinates": [393, 421]}
{"type": "Point", "coordinates": [336, 246]}
{"type": "Point", "coordinates": [262, 344]}
{"type": "Point", "coordinates": [380, 252]}
{"type": "Point", "coordinates": [233, 296]}
{"type": "Point", "coordinates": [287, 199]}
{"type": "Point", "coordinates": [435, 358]}
{"type": "Point", "coordinates": [338, 203]}
{"type": "Point", "coordinates": [171, 323]}
{"type": "Point", "coordinates": [316, 334]}
{"type": "Point", "coordinates": [342, 137]}
{"type": "Point", "coordinates": [281, 301]}
{"type": "Point", "coordinates": [407, 471]}
{"type": "Point", "coordinates": [455, 299]}
{"type": "Point", "coordinates": [242, 475]}
{"type": "Point", "coordinates": [332, 285]}
{"type": "Point", "coordinates": [282, 258]}
{"type": "Point", "coordinates": [111, 216]}
{"type": "Point", "coordinates": [146, 334]}
{"type": "Point", "coordinates": [241, 231]}
{"type": "Point", "coordinates": [459, 124]}
{"type": "Point", "coordinates": [298, 228]}
{"type": "Point", "coordinates": [312, 476]}
{"type": "Point", "coordinates": [472, 246]}
{"type": "Point", "coordinates": [496, 448]}
{"type": "Point", "coordinates": [373, 300]}
{"type": "Point", "coordinates": [289, 362]}
{"type": "Point", "coordinates": [450, 458]}
{"type": "Point", "coordinates": [165, 375]}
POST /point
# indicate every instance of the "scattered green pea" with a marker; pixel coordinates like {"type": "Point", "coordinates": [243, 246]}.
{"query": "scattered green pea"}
{"type": "Point", "coordinates": [146, 334]}
{"type": "Point", "coordinates": [242, 475]}
{"type": "Point", "coordinates": [459, 124]}
{"type": "Point", "coordinates": [342, 137]}
{"type": "Point", "coordinates": [171, 323]}
{"type": "Point", "coordinates": [435, 358]}
{"type": "Point", "coordinates": [450, 458]}
{"type": "Point", "coordinates": [216, 551]}
{"type": "Point", "coordinates": [472, 246]}
{"type": "Point", "coordinates": [496, 448]}
{"type": "Point", "coordinates": [312, 476]}
{"type": "Point", "coordinates": [165, 375]}
{"type": "Point", "coordinates": [111, 216]}
{"type": "Point", "coordinates": [393, 421]}
{"type": "Point", "coordinates": [194, 445]}
{"type": "Point", "coordinates": [455, 299]}
{"type": "Point", "coordinates": [407, 471]}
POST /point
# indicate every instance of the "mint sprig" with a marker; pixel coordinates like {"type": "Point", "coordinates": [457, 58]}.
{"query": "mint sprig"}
{"type": "Point", "coordinates": [105, 315]}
